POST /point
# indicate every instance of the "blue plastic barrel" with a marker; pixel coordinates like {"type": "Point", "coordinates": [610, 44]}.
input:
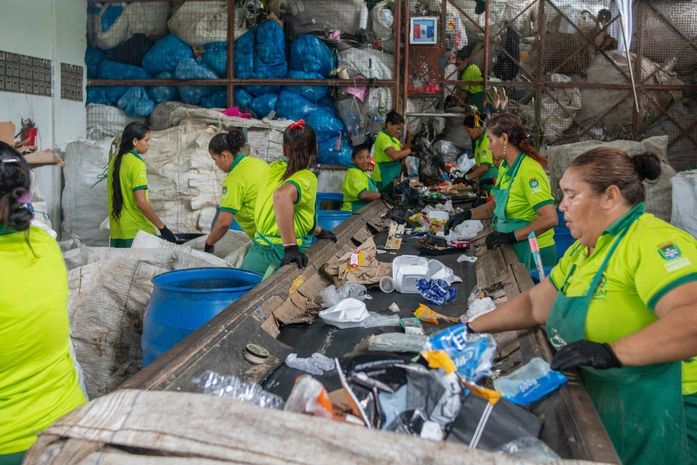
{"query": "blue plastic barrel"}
{"type": "Point", "coordinates": [184, 300]}
{"type": "Point", "coordinates": [235, 226]}
{"type": "Point", "coordinates": [328, 198]}
{"type": "Point", "coordinates": [330, 219]}
{"type": "Point", "coordinates": [562, 236]}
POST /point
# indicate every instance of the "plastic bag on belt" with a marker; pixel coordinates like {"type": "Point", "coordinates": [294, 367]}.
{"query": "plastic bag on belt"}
{"type": "Point", "coordinates": [473, 354]}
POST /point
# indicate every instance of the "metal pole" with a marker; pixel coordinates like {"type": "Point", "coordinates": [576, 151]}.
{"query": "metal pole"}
{"type": "Point", "coordinates": [405, 76]}
{"type": "Point", "coordinates": [230, 52]}
{"type": "Point", "coordinates": [397, 33]}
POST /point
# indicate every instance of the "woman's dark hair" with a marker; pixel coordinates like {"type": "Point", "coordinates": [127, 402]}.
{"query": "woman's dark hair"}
{"type": "Point", "coordinates": [518, 135]}
{"type": "Point", "coordinates": [132, 131]}
{"type": "Point", "coordinates": [605, 166]}
{"type": "Point", "coordinates": [465, 52]}
{"type": "Point", "coordinates": [232, 141]}
{"type": "Point", "coordinates": [358, 149]}
{"type": "Point", "coordinates": [394, 118]}
{"type": "Point", "coordinates": [15, 187]}
{"type": "Point", "coordinates": [300, 147]}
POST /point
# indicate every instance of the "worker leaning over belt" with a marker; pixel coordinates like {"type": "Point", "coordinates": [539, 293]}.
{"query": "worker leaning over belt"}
{"type": "Point", "coordinates": [621, 305]}
{"type": "Point", "coordinates": [127, 190]}
{"type": "Point", "coordinates": [359, 189]}
{"type": "Point", "coordinates": [388, 153]}
{"type": "Point", "coordinates": [241, 186]}
{"type": "Point", "coordinates": [484, 171]}
{"type": "Point", "coordinates": [522, 195]}
{"type": "Point", "coordinates": [38, 380]}
{"type": "Point", "coordinates": [285, 209]}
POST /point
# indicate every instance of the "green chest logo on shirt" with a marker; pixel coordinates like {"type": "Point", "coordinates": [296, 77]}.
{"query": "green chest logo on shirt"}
{"type": "Point", "coordinates": [669, 251]}
{"type": "Point", "coordinates": [600, 291]}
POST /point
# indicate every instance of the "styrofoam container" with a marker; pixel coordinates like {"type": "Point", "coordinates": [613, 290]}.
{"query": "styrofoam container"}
{"type": "Point", "coordinates": [406, 269]}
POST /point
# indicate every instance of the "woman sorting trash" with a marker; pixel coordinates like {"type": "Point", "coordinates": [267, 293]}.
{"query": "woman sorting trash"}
{"type": "Point", "coordinates": [522, 195]}
{"type": "Point", "coordinates": [127, 190]}
{"type": "Point", "coordinates": [388, 153]}
{"type": "Point", "coordinates": [38, 380]}
{"type": "Point", "coordinates": [622, 306]}
{"type": "Point", "coordinates": [244, 178]}
{"type": "Point", "coordinates": [285, 209]}
{"type": "Point", "coordinates": [484, 171]}
{"type": "Point", "coordinates": [359, 188]}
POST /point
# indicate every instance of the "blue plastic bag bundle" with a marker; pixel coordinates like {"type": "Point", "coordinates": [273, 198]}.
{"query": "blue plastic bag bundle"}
{"type": "Point", "coordinates": [243, 98]}
{"type": "Point", "coordinates": [311, 55]}
{"type": "Point", "coordinates": [244, 55]}
{"type": "Point", "coordinates": [218, 99]}
{"type": "Point", "coordinates": [215, 57]}
{"type": "Point", "coordinates": [263, 105]}
{"type": "Point", "coordinates": [529, 383]}
{"type": "Point", "coordinates": [330, 154]}
{"type": "Point", "coordinates": [473, 354]}
{"type": "Point", "coordinates": [93, 58]}
{"type": "Point", "coordinates": [114, 93]}
{"type": "Point", "coordinates": [436, 291]}
{"type": "Point", "coordinates": [260, 54]}
{"type": "Point", "coordinates": [136, 103]}
{"type": "Point", "coordinates": [292, 106]}
{"type": "Point", "coordinates": [111, 14]}
{"type": "Point", "coordinates": [113, 70]}
{"type": "Point", "coordinates": [326, 125]}
{"type": "Point", "coordinates": [191, 69]}
{"type": "Point", "coordinates": [312, 93]}
{"type": "Point", "coordinates": [163, 93]}
{"type": "Point", "coordinates": [165, 54]}
{"type": "Point", "coordinates": [327, 103]}
{"type": "Point", "coordinates": [97, 94]}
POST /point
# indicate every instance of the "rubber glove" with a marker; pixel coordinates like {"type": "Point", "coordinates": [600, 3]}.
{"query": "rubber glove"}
{"type": "Point", "coordinates": [167, 235]}
{"type": "Point", "coordinates": [326, 234]}
{"type": "Point", "coordinates": [457, 219]}
{"type": "Point", "coordinates": [588, 353]}
{"type": "Point", "coordinates": [208, 248]}
{"type": "Point", "coordinates": [292, 254]}
{"type": "Point", "coordinates": [497, 239]}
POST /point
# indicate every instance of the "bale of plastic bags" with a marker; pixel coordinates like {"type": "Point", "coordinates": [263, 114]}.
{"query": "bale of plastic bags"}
{"type": "Point", "coordinates": [165, 54]}
{"type": "Point", "coordinates": [309, 54]}
{"type": "Point", "coordinates": [191, 69]}
{"type": "Point", "coordinates": [136, 102]}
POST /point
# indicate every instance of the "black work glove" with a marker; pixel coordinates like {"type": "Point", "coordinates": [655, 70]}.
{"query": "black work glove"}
{"type": "Point", "coordinates": [497, 239]}
{"type": "Point", "coordinates": [326, 234]}
{"type": "Point", "coordinates": [208, 248]}
{"type": "Point", "coordinates": [457, 219]}
{"type": "Point", "coordinates": [388, 198]}
{"type": "Point", "coordinates": [167, 235]}
{"type": "Point", "coordinates": [292, 254]}
{"type": "Point", "coordinates": [593, 354]}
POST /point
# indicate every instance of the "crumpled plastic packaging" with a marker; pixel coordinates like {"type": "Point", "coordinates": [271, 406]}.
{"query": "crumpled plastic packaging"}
{"type": "Point", "coordinates": [332, 296]}
{"type": "Point", "coordinates": [529, 449]}
{"type": "Point", "coordinates": [316, 364]}
{"type": "Point", "coordinates": [309, 396]}
{"type": "Point", "coordinates": [466, 258]}
{"type": "Point", "coordinates": [352, 313]}
{"type": "Point", "coordinates": [397, 342]}
{"type": "Point", "coordinates": [424, 313]}
{"type": "Point", "coordinates": [376, 320]}
{"type": "Point", "coordinates": [473, 354]}
{"type": "Point", "coordinates": [219, 385]}
{"type": "Point", "coordinates": [438, 270]}
{"type": "Point", "coordinates": [529, 383]}
{"type": "Point", "coordinates": [436, 291]}
{"type": "Point", "coordinates": [477, 305]}
{"type": "Point", "coordinates": [468, 229]}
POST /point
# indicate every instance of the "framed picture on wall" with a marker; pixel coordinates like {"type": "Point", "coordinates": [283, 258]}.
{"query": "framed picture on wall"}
{"type": "Point", "coordinates": [423, 30]}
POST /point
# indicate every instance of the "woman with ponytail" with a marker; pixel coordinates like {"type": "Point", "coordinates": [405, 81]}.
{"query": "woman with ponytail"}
{"type": "Point", "coordinates": [285, 208]}
{"type": "Point", "coordinates": [245, 176]}
{"type": "Point", "coordinates": [523, 200]}
{"type": "Point", "coordinates": [127, 190]}
{"type": "Point", "coordinates": [38, 380]}
{"type": "Point", "coordinates": [621, 306]}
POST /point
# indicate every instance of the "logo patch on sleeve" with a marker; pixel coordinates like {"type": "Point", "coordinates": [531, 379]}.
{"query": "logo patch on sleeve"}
{"type": "Point", "coordinates": [534, 184]}
{"type": "Point", "coordinates": [673, 256]}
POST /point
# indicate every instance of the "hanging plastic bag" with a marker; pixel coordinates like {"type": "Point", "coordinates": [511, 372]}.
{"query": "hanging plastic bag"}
{"type": "Point", "coordinates": [530, 383]}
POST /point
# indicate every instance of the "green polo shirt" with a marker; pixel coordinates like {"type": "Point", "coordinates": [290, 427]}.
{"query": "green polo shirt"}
{"type": "Point", "coordinates": [38, 381]}
{"type": "Point", "coordinates": [241, 188]}
{"type": "Point", "coordinates": [652, 259]}
{"type": "Point", "coordinates": [530, 191]}
{"type": "Point", "coordinates": [133, 176]}
{"type": "Point", "coordinates": [386, 169]}
{"type": "Point", "coordinates": [356, 182]}
{"type": "Point", "coordinates": [472, 73]}
{"type": "Point", "coordinates": [305, 183]}
{"type": "Point", "coordinates": [484, 157]}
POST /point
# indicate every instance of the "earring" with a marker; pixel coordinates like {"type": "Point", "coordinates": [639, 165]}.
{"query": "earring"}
{"type": "Point", "coordinates": [505, 144]}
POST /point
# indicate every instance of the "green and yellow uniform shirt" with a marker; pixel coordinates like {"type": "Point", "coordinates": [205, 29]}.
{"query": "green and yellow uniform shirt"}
{"type": "Point", "coordinates": [386, 169]}
{"type": "Point", "coordinates": [241, 188]}
{"type": "Point", "coordinates": [305, 183]}
{"type": "Point", "coordinates": [356, 182]}
{"type": "Point", "coordinates": [133, 176]}
{"type": "Point", "coordinates": [530, 191]}
{"type": "Point", "coordinates": [38, 381]}
{"type": "Point", "coordinates": [475, 91]}
{"type": "Point", "coordinates": [484, 157]}
{"type": "Point", "coordinates": [652, 259]}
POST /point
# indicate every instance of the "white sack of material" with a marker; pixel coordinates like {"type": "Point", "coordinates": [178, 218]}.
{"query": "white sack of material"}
{"type": "Point", "coordinates": [198, 23]}
{"type": "Point", "coordinates": [149, 18]}
{"type": "Point", "coordinates": [684, 214]}
{"type": "Point", "coordinates": [105, 121]}
{"type": "Point", "coordinates": [559, 106]}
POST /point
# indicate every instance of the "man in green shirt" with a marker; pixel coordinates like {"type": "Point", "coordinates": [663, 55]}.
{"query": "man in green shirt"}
{"type": "Point", "coordinates": [471, 92]}
{"type": "Point", "coordinates": [359, 188]}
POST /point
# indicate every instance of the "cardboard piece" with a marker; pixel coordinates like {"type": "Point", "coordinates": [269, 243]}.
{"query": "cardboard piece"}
{"type": "Point", "coordinates": [43, 158]}
{"type": "Point", "coordinates": [7, 132]}
{"type": "Point", "coordinates": [394, 236]}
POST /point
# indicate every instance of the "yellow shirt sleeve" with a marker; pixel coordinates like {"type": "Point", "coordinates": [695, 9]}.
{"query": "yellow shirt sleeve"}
{"type": "Point", "coordinates": [536, 185]}
{"type": "Point", "coordinates": [232, 196]}
{"type": "Point", "coordinates": [138, 176]}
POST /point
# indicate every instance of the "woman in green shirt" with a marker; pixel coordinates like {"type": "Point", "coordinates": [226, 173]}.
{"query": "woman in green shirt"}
{"type": "Point", "coordinates": [522, 195]}
{"type": "Point", "coordinates": [127, 190]}
{"type": "Point", "coordinates": [484, 170]}
{"type": "Point", "coordinates": [38, 380]}
{"type": "Point", "coordinates": [358, 187]}
{"type": "Point", "coordinates": [388, 153]}
{"type": "Point", "coordinates": [621, 306]}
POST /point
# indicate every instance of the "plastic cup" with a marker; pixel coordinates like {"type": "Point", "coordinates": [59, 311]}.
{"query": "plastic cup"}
{"type": "Point", "coordinates": [386, 284]}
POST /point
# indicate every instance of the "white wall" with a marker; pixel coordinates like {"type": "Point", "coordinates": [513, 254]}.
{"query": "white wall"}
{"type": "Point", "coordinates": [53, 29]}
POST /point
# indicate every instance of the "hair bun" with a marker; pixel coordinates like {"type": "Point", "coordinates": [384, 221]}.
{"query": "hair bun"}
{"type": "Point", "coordinates": [648, 166]}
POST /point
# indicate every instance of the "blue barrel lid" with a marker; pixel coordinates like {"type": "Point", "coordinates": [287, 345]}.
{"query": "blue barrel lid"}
{"type": "Point", "coordinates": [247, 279]}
